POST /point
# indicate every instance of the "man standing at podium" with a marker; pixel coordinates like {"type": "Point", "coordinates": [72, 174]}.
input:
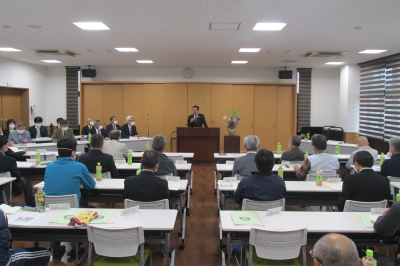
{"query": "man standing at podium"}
{"type": "Point", "coordinates": [196, 119]}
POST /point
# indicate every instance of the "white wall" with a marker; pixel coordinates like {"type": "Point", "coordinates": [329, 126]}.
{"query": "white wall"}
{"type": "Point", "coordinates": [349, 98]}
{"type": "Point", "coordinates": [56, 94]}
{"type": "Point", "coordinates": [26, 75]}
{"type": "Point", "coordinates": [325, 91]}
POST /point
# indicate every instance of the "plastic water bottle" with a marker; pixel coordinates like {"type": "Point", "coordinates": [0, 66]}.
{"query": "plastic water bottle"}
{"type": "Point", "coordinates": [319, 177]}
{"type": "Point", "coordinates": [279, 150]}
{"type": "Point", "coordinates": [280, 171]}
{"type": "Point", "coordinates": [148, 146]}
{"type": "Point", "coordinates": [306, 155]}
{"type": "Point", "coordinates": [398, 197]}
{"type": "Point", "coordinates": [308, 135]}
{"type": "Point", "coordinates": [139, 170]}
{"type": "Point", "coordinates": [37, 157]}
{"type": "Point", "coordinates": [382, 159]}
{"type": "Point", "coordinates": [130, 157]}
{"type": "Point", "coordinates": [89, 137]}
{"type": "Point", "coordinates": [40, 200]}
{"type": "Point", "coordinates": [98, 171]}
{"type": "Point", "coordinates": [369, 260]}
{"type": "Point", "coordinates": [337, 151]}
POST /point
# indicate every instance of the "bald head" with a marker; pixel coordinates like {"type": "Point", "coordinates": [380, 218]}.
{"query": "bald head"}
{"type": "Point", "coordinates": [336, 250]}
{"type": "Point", "coordinates": [363, 141]}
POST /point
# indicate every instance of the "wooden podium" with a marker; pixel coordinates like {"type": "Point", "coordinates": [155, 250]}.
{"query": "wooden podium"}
{"type": "Point", "coordinates": [204, 142]}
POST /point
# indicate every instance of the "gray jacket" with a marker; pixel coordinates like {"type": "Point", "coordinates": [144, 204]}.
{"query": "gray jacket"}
{"type": "Point", "coordinates": [294, 154]}
{"type": "Point", "coordinates": [117, 149]}
{"type": "Point", "coordinates": [373, 152]}
{"type": "Point", "coordinates": [14, 136]}
{"type": "Point", "coordinates": [245, 165]}
{"type": "Point", "coordinates": [167, 166]}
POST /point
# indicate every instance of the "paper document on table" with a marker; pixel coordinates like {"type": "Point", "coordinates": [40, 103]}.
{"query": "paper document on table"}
{"type": "Point", "coordinates": [14, 149]}
{"type": "Point", "coordinates": [25, 218]}
{"type": "Point", "coordinates": [105, 216]}
{"type": "Point", "coordinates": [246, 218]}
{"type": "Point", "coordinates": [364, 221]}
{"type": "Point", "coordinates": [333, 186]}
{"type": "Point", "coordinates": [174, 185]}
{"type": "Point", "coordinates": [9, 210]}
{"type": "Point", "coordinates": [367, 221]}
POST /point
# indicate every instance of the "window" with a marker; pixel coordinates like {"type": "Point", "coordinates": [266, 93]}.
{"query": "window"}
{"type": "Point", "coordinates": [72, 96]}
{"type": "Point", "coordinates": [303, 97]}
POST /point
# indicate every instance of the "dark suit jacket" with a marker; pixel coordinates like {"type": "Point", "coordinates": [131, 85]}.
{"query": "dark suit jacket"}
{"type": "Point", "coordinates": [85, 130]}
{"type": "Point", "coordinates": [9, 164]}
{"type": "Point", "coordinates": [391, 167]}
{"type": "Point", "coordinates": [102, 132]}
{"type": "Point", "coordinates": [19, 156]}
{"type": "Point", "coordinates": [146, 187]}
{"type": "Point", "coordinates": [201, 120]}
{"type": "Point", "coordinates": [365, 186]}
{"type": "Point", "coordinates": [125, 131]}
{"type": "Point", "coordinates": [6, 132]}
{"type": "Point", "coordinates": [294, 154]}
{"type": "Point", "coordinates": [33, 131]}
{"type": "Point", "coordinates": [110, 127]}
{"type": "Point", "coordinates": [91, 159]}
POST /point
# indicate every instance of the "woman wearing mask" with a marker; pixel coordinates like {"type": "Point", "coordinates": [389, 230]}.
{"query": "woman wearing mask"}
{"type": "Point", "coordinates": [10, 127]}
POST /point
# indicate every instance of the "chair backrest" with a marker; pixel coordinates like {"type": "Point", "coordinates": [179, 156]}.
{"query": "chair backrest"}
{"type": "Point", "coordinates": [394, 179]}
{"type": "Point", "coordinates": [324, 177]}
{"type": "Point", "coordinates": [176, 158]}
{"type": "Point", "coordinates": [359, 206]}
{"type": "Point", "coordinates": [5, 174]}
{"type": "Point", "coordinates": [239, 177]}
{"type": "Point", "coordinates": [159, 204]}
{"type": "Point", "coordinates": [116, 242]}
{"type": "Point", "coordinates": [278, 245]}
{"type": "Point", "coordinates": [71, 199]}
{"type": "Point", "coordinates": [251, 205]}
{"type": "Point", "coordinates": [230, 162]}
{"type": "Point", "coordinates": [106, 175]}
{"type": "Point", "coordinates": [165, 176]}
{"type": "Point", "coordinates": [119, 160]}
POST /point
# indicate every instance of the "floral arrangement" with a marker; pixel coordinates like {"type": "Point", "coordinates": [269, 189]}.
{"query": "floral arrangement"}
{"type": "Point", "coordinates": [233, 119]}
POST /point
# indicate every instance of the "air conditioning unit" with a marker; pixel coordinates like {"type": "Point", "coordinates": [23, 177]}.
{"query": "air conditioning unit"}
{"type": "Point", "coordinates": [44, 52]}
{"type": "Point", "coordinates": [325, 54]}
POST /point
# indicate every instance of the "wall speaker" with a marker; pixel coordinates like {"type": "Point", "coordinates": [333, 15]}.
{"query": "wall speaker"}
{"type": "Point", "coordinates": [285, 74]}
{"type": "Point", "coordinates": [89, 73]}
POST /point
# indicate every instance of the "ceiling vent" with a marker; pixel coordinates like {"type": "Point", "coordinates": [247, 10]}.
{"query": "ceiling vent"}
{"type": "Point", "coordinates": [43, 53]}
{"type": "Point", "coordinates": [325, 54]}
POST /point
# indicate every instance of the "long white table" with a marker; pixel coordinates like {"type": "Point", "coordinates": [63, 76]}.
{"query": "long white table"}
{"type": "Point", "coordinates": [49, 146]}
{"type": "Point", "coordinates": [345, 148]}
{"type": "Point", "coordinates": [185, 155]}
{"type": "Point", "coordinates": [47, 139]}
{"type": "Point", "coordinates": [6, 181]}
{"type": "Point", "coordinates": [41, 230]}
{"type": "Point", "coordinates": [317, 224]}
{"type": "Point", "coordinates": [136, 144]}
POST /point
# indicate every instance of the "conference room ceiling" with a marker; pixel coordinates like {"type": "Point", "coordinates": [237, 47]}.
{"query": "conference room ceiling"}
{"type": "Point", "coordinates": [177, 33]}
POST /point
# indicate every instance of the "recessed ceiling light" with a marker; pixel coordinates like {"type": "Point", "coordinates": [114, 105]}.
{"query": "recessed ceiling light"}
{"type": "Point", "coordinates": [9, 49]}
{"type": "Point", "coordinates": [239, 62]}
{"type": "Point", "coordinates": [51, 61]}
{"type": "Point", "coordinates": [127, 49]}
{"type": "Point", "coordinates": [334, 63]}
{"type": "Point", "coordinates": [372, 51]}
{"type": "Point", "coordinates": [249, 50]}
{"type": "Point", "coordinates": [269, 26]}
{"type": "Point", "coordinates": [144, 61]}
{"type": "Point", "coordinates": [91, 25]}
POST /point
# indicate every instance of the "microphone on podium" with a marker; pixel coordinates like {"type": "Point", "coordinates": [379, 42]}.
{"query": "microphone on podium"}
{"type": "Point", "coordinates": [148, 125]}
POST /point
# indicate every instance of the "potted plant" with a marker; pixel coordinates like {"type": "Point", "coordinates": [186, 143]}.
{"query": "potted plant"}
{"type": "Point", "coordinates": [232, 120]}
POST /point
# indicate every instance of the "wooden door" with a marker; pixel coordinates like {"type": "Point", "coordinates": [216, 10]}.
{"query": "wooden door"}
{"type": "Point", "coordinates": [286, 114]}
{"type": "Point", "coordinates": [113, 104]}
{"type": "Point", "coordinates": [200, 95]}
{"type": "Point", "coordinates": [133, 103]}
{"type": "Point", "coordinates": [92, 103]}
{"type": "Point", "coordinates": [154, 95]}
{"type": "Point", "coordinates": [11, 105]}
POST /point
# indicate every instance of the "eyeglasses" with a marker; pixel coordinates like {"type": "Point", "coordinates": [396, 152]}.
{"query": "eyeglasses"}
{"type": "Point", "coordinates": [312, 256]}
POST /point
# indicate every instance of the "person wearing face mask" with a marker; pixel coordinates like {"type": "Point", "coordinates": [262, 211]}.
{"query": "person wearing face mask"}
{"type": "Point", "coordinates": [63, 131]}
{"type": "Point", "coordinates": [294, 154]}
{"type": "Point", "coordinates": [66, 177]}
{"type": "Point", "coordinates": [391, 167]}
{"type": "Point", "coordinates": [113, 126]}
{"type": "Point", "coordinates": [89, 128]}
{"type": "Point", "coordinates": [19, 155]}
{"type": "Point", "coordinates": [38, 130]}
{"type": "Point", "coordinates": [129, 129]}
{"type": "Point", "coordinates": [10, 127]}
{"type": "Point", "coordinates": [20, 136]}
{"type": "Point", "coordinates": [99, 129]}
{"type": "Point", "coordinates": [366, 185]}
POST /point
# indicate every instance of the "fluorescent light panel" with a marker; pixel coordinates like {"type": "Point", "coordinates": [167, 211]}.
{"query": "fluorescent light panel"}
{"type": "Point", "coordinates": [51, 61]}
{"type": "Point", "coordinates": [249, 50]}
{"type": "Point", "coordinates": [371, 51]}
{"type": "Point", "coordinates": [334, 63]}
{"type": "Point", "coordinates": [269, 26]}
{"type": "Point", "coordinates": [91, 25]}
{"type": "Point", "coordinates": [127, 49]}
{"type": "Point", "coordinates": [239, 62]}
{"type": "Point", "coordinates": [144, 61]}
{"type": "Point", "coordinates": [9, 49]}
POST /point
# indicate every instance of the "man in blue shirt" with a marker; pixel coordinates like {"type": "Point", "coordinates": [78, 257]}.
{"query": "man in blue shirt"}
{"type": "Point", "coordinates": [66, 177]}
{"type": "Point", "coordinates": [262, 185]}
{"type": "Point", "coordinates": [391, 167]}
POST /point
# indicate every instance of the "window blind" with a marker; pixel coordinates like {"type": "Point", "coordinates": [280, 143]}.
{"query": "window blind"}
{"type": "Point", "coordinates": [72, 96]}
{"type": "Point", "coordinates": [392, 98]}
{"type": "Point", "coordinates": [304, 98]}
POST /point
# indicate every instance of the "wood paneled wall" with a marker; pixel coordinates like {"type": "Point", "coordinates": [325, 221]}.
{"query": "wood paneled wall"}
{"type": "Point", "coordinates": [14, 104]}
{"type": "Point", "coordinates": [269, 109]}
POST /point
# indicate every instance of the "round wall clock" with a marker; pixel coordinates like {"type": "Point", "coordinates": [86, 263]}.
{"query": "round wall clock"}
{"type": "Point", "coordinates": [188, 73]}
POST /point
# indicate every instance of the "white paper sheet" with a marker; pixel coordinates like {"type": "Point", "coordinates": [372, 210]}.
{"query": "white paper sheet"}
{"type": "Point", "coordinates": [174, 185]}
{"type": "Point", "coordinates": [25, 218]}
{"type": "Point", "coordinates": [10, 210]}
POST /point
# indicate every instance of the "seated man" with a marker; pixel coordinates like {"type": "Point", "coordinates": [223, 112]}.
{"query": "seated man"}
{"type": "Point", "coordinates": [115, 148]}
{"type": "Point", "coordinates": [129, 129]}
{"type": "Point", "coordinates": [38, 130]}
{"type": "Point", "coordinates": [113, 126]}
{"type": "Point", "coordinates": [391, 167]}
{"type": "Point", "coordinates": [18, 256]}
{"type": "Point", "coordinates": [262, 185]}
{"type": "Point", "coordinates": [363, 145]}
{"type": "Point", "coordinates": [329, 163]}
{"type": "Point", "coordinates": [9, 164]}
{"type": "Point", "coordinates": [66, 177]}
{"type": "Point", "coordinates": [96, 155]}
{"type": "Point", "coordinates": [334, 250]}
{"type": "Point", "coordinates": [367, 185]}
{"type": "Point", "coordinates": [89, 128]}
{"type": "Point", "coordinates": [20, 136]}
{"type": "Point", "coordinates": [147, 186]}
{"type": "Point", "coordinates": [99, 129]}
{"type": "Point", "coordinates": [243, 166]}
{"type": "Point", "coordinates": [167, 165]}
{"type": "Point", "coordinates": [63, 132]}
{"type": "Point", "coordinates": [294, 154]}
